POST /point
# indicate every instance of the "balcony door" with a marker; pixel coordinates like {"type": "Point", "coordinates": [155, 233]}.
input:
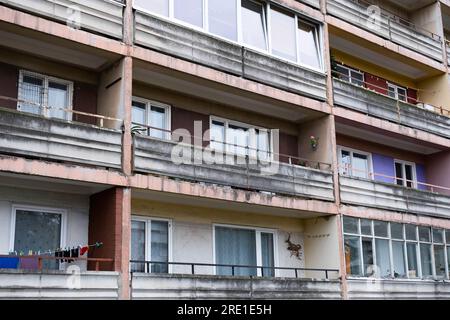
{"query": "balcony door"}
{"type": "Point", "coordinates": [354, 163]}
{"type": "Point", "coordinates": [405, 174]}
{"type": "Point", "coordinates": [151, 118]}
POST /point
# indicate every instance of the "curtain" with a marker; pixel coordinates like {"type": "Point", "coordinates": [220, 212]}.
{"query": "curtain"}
{"type": "Point", "coordinates": [425, 257]}
{"type": "Point", "coordinates": [235, 247]}
{"type": "Point", "coordinates": [267, 254]}
{"type": "Point", "coordinates": [411, 249]}
{"type": "Point", "coordinates": [353, 255]}
{"type": "Point", "coordinates": [399, 259]}
{"type": "Point", "coordinates": [160, 245]}
{"type": "Point", "coordinates": [383, 260]}
{"type": "Point", "coordinates": [138, 245]}
{"type": "Point", "coordinates": [57, 100]}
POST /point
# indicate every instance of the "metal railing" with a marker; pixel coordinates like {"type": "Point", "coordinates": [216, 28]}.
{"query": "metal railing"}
{"type": "Point", "coordinates": [266, 271]}
{"type": "Point", "coordinates": [348, 171]}
{"type": "Point", "coordinates": [373, 88]}
{"type": "Point", "coordinates": [247, 153]}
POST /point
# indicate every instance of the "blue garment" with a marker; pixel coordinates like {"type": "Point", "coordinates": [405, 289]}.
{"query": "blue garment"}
{"type": "Point", "coordinates": [9, 263]}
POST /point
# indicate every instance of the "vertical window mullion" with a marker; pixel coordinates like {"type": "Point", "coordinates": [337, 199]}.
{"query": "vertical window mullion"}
{"type": "Point", "coordinates": [45, 100]}
{"type": "Point", "coordinates": [239, 21]}
{"type": "Point", "coordinates": [297, 44]}
{"type": "Point", "coordinates": [391, 254]}
{"type": "Point", "coordinates": [258, 252]}
{"type": "Point", "coordinates": [171, 9]}
{"type": "Point", "coordinates": [205, 15]}
{"type": "Point", "coordinates": [267, 22]}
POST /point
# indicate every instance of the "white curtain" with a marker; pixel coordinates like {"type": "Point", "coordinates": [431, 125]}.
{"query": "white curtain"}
{"type": "Point", "coordinates": [138, 245]}
{"type": "Point", "coordinates": [383, 261]}
{"type": "Point", "coordinates": [57, 100]}
{"type": "Point", "coordinates": [160, 245]}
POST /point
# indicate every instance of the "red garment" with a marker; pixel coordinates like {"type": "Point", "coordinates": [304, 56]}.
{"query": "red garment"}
{"type": "Point", "coordinates": [84, 250]}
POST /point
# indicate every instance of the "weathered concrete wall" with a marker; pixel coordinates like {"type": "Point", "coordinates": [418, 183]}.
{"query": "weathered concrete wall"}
{"type": "Point", "coordinates": [429, 18]}
{"type": "Point", "coordinates": [58, 285]}
{"type": "Point", "coordinates": [398, 289]}
{"type": "Point", "coordinates": [36, 136]}
{"type": "Point", "coordinates": [321, 129]}
{"type": "Point", "coordinates": [105, 17]}
{"type": "Point", "coordinates": [206, 287]}
{"type": "Point", "coordinates": [435, 91]}
{"type": "Point", "coordinates": [77, 207]}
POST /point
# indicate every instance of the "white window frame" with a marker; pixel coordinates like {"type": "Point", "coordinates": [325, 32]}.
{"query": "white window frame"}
{"type": "Point", "coordinates": [46, 79]}
{"type": "Point", "coordinates": [60, 211]}
{"type": "Point", "coordinates": [349, 74]}
{"type": "Point", "coordinates": [148, 230]}
{"type": "Point", "coordinates": [258, 231]}
{"type": "Point", "coordinates": [396, 87]}
{"type": "Point", "coordinates": [152, 103]}
{"type": "Point", "coordinates": [414, 172]}
{"type": "Point", "coordinates": [266, 5]}
{"type": "Point", "coordinates": [370, 174]}
{"type": "Point", "coordinates": [227, 122]}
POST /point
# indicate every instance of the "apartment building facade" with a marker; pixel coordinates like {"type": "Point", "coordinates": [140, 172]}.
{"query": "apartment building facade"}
{"type": "Point", "coordinates": [250, 149]}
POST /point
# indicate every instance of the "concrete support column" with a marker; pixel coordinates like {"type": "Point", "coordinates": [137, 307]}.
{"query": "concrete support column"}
{"type": "Point", "coordinates": [127, 156]}
{"type": "Point", "coordinates": [128, 22]}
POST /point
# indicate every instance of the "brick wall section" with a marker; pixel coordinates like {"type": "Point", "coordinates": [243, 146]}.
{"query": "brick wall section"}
{"type": "Point", "coordinates": [105, 225]}
{"type": "Point", "coordinates": [9, 79]}
{"type": "Point", "coordinates": [85, 100]}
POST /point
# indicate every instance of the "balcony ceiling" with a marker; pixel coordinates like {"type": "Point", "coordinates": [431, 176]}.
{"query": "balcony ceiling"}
{"type": "Point", "coordinates": [348, 128]}
{"type": "Point", "coordinates": [373, 55]}
{"type": "Point", "coordinates": [411, 5]}
{"type": "Point", "coordinates": [215, 92]}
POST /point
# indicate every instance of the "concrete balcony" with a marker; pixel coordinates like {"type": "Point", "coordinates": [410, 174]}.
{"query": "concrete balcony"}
{"type": "Point", "coordinates": [100, 16]}
{"type": "Point", "coordinates": [381, 106]}
{"type": "Point", "coordinates": [154, 156]}
{"type": "Point", "coordinates": [18, 284]}
{"type": "Point", "coordinates": [172, 286]}
{"type": "Point", "coordinates": [199, 47]}
{"type": "Point", "coordinates": [397, 289]}
{"type": "Point", "coordinates": [30, 135]}
{"type": "Point", "coordinates": [381, 195]}
{"type": "Point", "coordinates": [398, 31]}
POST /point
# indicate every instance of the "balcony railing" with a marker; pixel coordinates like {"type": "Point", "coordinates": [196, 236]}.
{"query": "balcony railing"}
{"type": "Point", "coordinates": [298, 177]}
{"type": "Point", "coordinates": [101, 16]}
{"type": "Point", "coordinates": [433, 119]}
{"type": "Point", "coordinates": [381, 191]}
{"type": "Point", "coordinates": [198, 284]}
{"type": "Point", "coordinates": [200, 47]}
{"type": "Point", "coordinates": [32, 135]}
{"type": "Point", "coordinates": [388, 26]}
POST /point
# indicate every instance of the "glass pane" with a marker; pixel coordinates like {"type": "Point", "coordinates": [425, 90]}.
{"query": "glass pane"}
{"type": "Point", "coordinates": [58, 98]}
{"type": "Point", "coordinates": [439, 260]}
{"type": "Point", "coordinates": [383, 259]}
{"type": "Point", "coordinates": [343, 73]}
{"type": "Point", "coordinates": [237, 138]}
{"type": "Point", "coordinates": [38, 231]}
{"type": "Point", "coordinates": [253, 24]}
{"type": "Point", "coordinates": [447, 237]}
{"type": "Point", "coordinates": [283, 35]}
{"type": "Point", "coordinates": [160, 245]}
{"type": "Point", "coordinates": [351, 225]}
{"type": "Point", "coordinates": [401, 94]}
{"type": "Point", "coordinates": [367, 247]}
{"type": "Point", "coordinates": [138, 245]}
{"type": "Point", "coordinates": [425, 257]}
{"type": "Point", "coordinates": [236, 247]}
{"type": "Point", "coordinates": [156, 6]}
{"type": "Point", "coordinates": [158, 120]}
{"type": "Point", "coordinates": [223, 18]}
{"type": "Point", "coordinates": [267, 254]}
{"type": "Point", "coordinates": [409, 176]}
{"type": "Point", "coordinates": [31, 94]}
{"type": "Point", "coordinates": [263, 144]}
{"type": "Point", "coordinates": [190, 11]}
{"type": "Point", "coordinates": [346, 162]}
{"type": "Point", "coordinates": [438, 236]}
{"type": "Point", "coordinates": [391, 91]}
{"type": "Point", "coordinates": [352, 255]}
{"type": "Point", "coordinates": [308, 45]}
{"type": "Point", "coordinates": [138, 117]}
{"type": "Point", "coordinates": [399, 173]}
{"type": "Point", "coordinates": [448, 258]}
{"type": "Point", "coordinates": [396, 230]}
{"type": "Point", "coordinates": [217, 136]}
{"type": "Point", "coordinates": [380, 228]}
{"type": "Point", "coordinates": [411, 250]}
{"type": "Point", "coordinates": [366, 227]}
{"type": "Point", "coordinates": [357, 78]}
{"type": "Point", "coordinates": [410, 232]}
{"type": "Point", "coordinates": [398, 255]}
{"type": "Point", "coordinates": [360, 166]}
{"type": "Point", "coordinates": [424, 234]}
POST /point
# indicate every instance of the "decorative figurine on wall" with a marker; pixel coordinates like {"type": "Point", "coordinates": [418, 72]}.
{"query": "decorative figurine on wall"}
{"type": "Point", "coordinates": [314, 142]}
{"type": "Point", "coordinates": [295, 249]}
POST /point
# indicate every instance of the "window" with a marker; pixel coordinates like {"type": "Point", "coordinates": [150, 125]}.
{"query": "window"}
{"type": "Point", "coordinates": [157, 6]}
{"type": "Point", "coordinates": [37, 229]}
{"type": "Point", "coordinates": [150, 242]}
{"type": "Point", "coordinates": [44, 95]}
{"type": "Point", "coordinates": [222, 18]}
{"type": "Point", "coordinates": [253, 20]}
{"type": "Point", "coordinates": [151, 118]}
{"type": "Point", "coordinates": [240, 139]}
{"type": "Point", "coordinates": [244, 247]}
{"type": "Point", "coordinates": [405, 173]}
{"type": "Point", "coordinates": [190, 11]}
{"type": "Point", "coordinates": [350, 75]}
{"type": "Point", "coordinates": [283, 34]}
{"type": "Point", "coordinates": [394, 250]}
{"type": "Point", "coordinates": [397, 92]}
{"type": "Point", "coordinates": [354, 163]}
{"type": "Point", "coordinates": [309, 45]}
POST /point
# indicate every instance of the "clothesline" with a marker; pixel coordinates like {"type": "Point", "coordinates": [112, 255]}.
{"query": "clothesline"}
{"type": "Point", "coordinates": [83, 249]}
